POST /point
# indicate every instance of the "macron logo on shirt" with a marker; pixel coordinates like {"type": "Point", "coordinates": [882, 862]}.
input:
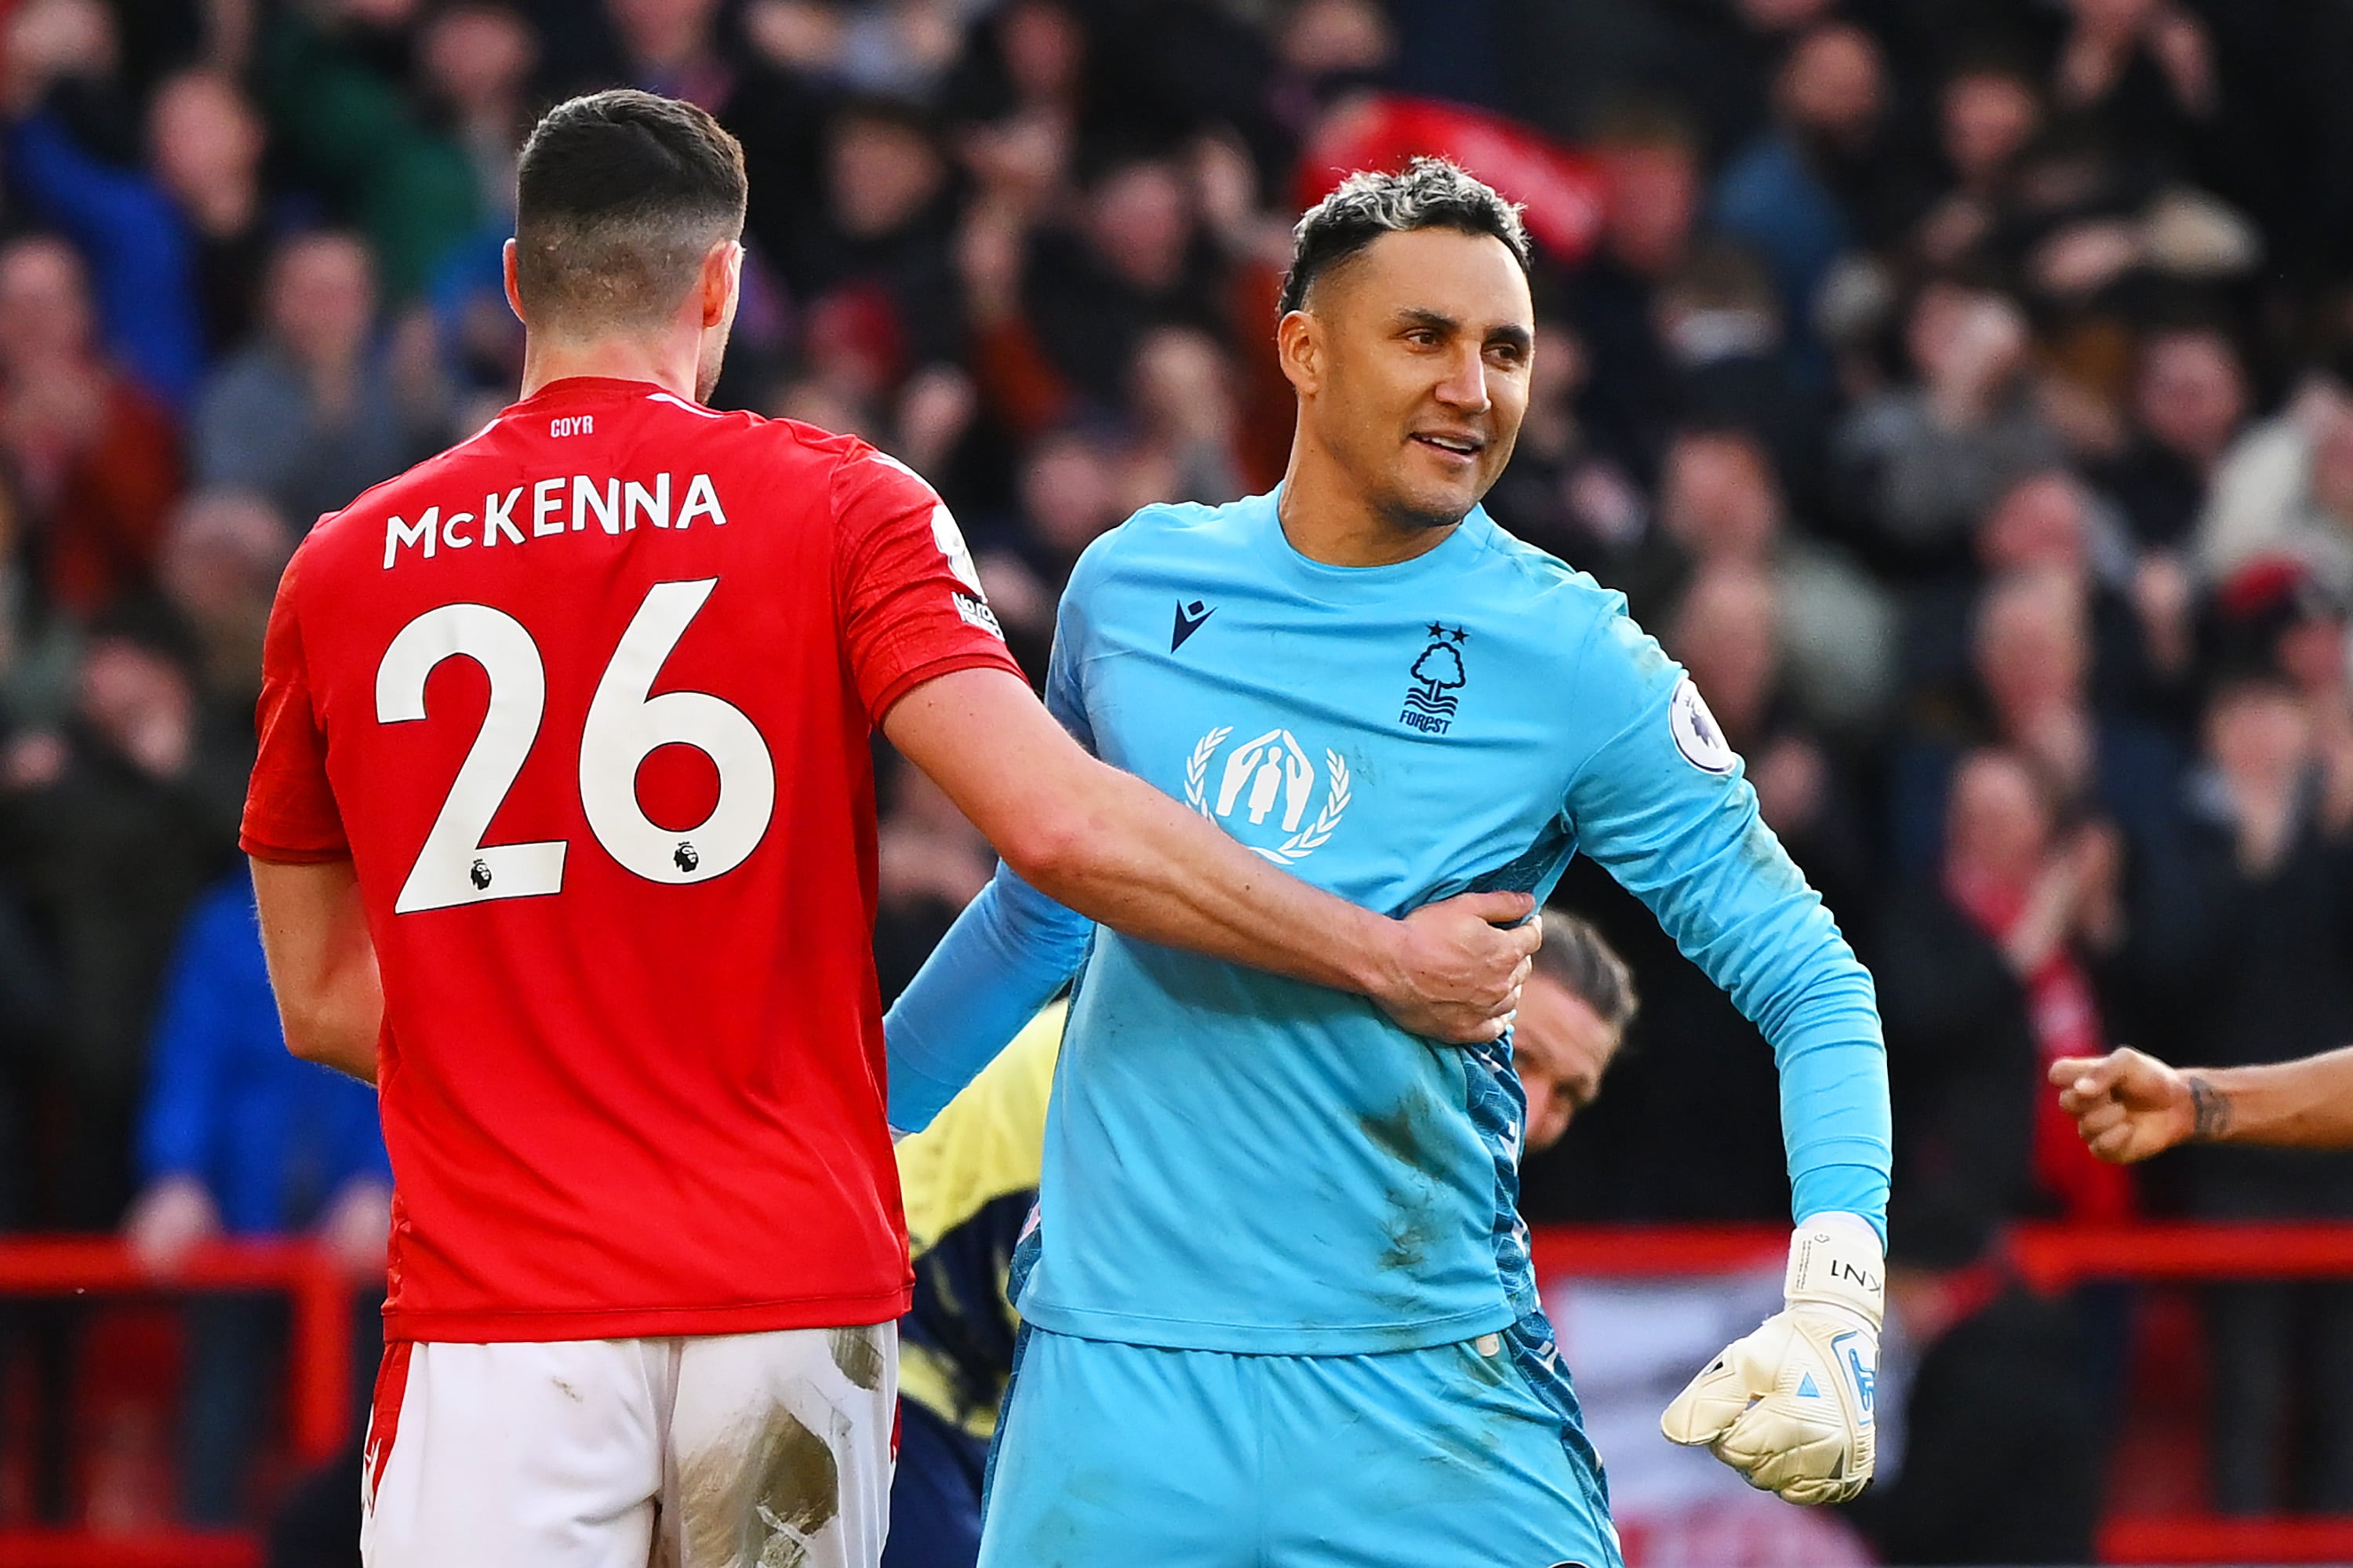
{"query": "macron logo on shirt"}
{"type": "Point", "coordinates": [1190, 617]}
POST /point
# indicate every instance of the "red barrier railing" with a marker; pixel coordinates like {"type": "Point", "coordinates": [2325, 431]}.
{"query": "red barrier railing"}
{"type": "Point", "coordinates": [319, 1295]}
{"type": "Point", "coordinates": [319, 1292]}
{"type": "Point", "coordinates": [83, 1548]}
{"type": "Point", "coordinates": [2048, 1257]}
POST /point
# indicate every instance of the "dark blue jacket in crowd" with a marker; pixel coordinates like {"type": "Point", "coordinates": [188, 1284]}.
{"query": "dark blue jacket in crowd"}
{"type": "Point", "coordinates": [271, 1138]}
{"type": "Point", "coordinates": [139, 249]}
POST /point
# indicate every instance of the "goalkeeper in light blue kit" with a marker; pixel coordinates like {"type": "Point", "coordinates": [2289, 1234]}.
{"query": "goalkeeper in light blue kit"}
{"type": "Point", "coordinates": [1278, 1303]}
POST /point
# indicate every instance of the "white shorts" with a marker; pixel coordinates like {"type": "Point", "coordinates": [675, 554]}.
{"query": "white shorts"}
{"type": "Point", "coordinates": [729, 1451]}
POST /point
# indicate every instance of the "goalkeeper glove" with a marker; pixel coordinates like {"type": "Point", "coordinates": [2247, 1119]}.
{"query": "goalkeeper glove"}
{"type": "Point", "coordinates": [1789, 1407]}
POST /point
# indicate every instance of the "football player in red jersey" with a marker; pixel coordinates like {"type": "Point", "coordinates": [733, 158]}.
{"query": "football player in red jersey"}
{"type": "Point", "coordinates": [563, 834]}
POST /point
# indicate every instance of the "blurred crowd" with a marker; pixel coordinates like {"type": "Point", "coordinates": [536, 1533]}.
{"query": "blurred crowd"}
{"type": "Point", "coordinates": [1963, 389]}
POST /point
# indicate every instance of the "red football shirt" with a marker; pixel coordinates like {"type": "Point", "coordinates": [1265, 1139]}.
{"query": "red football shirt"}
{"type": "Point", "coordinates": [586, 699]}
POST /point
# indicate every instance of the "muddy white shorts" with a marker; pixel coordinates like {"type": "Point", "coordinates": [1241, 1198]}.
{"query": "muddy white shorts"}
{"type": "Point", "coordinates": [727, 1451]}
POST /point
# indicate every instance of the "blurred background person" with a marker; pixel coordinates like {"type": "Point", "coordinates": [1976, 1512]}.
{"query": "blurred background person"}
{"type": "Point", "coordinates": [320, 408]}
{"type": "Point", "coordinates": [237, 1138]}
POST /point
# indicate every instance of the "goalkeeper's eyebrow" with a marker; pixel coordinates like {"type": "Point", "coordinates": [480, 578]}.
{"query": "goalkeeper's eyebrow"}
{"type": "Point", "coordinates": [1503, 334]}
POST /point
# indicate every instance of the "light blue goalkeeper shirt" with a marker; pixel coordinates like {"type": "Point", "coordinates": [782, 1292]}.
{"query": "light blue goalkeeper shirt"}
{"type": "Point", "coordinates": [1236, 1161]}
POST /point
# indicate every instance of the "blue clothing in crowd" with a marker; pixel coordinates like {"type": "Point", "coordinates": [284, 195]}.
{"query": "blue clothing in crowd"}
{"type": "Point", "coordinates": [272, 1138]}
{"type": "Point", "coordinates": [140, 247]}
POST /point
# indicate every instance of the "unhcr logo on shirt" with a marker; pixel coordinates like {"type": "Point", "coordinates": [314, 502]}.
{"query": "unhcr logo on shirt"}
{"type": "Point", "coordinates": [1265, 789]}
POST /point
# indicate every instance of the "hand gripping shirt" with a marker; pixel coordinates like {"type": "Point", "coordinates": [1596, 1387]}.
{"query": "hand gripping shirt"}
{"type": "Point", "coordinates": [1241, 1162]}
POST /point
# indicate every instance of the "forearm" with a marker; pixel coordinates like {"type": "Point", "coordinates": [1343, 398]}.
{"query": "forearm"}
{"type": "Point", "coordinates": [1117, 851]}
{"type": "Point", "coordinates": [1002, 960]}
{"type": "Point", "coordinates": [343, 1038]}
{"type": "Point", "coordinates": [1144, 865]}
{"type": "Point", "coordinates": [323, 964]}
{"type": "Point", "coordinates": [2306, 1104]}
{"type": "Point", "coordinates": [1834, 1108]}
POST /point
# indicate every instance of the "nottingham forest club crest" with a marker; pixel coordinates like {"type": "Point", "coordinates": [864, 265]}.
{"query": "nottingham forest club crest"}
{"type": "Point", "coordinates": [1437, 676]}
{"type": "Point", "coordinates": [1265, 791]}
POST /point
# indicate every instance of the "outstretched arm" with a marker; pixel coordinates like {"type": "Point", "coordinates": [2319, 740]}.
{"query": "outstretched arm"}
{"type": "Point", "coordinates": [2128, 1105]}
{"type": "Point", "coordinates": [1662, 803]}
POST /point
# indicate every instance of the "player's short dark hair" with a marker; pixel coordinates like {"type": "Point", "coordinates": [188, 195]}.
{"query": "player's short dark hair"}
{"type": "Point", "coordinates": [1428, 193]}
{"type": "Point", "coordinates": [618, 196]}
{"type": "Point", "coordinates": [1576, 955]}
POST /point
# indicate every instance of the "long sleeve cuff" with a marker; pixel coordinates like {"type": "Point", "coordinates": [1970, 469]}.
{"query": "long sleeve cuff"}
{"type": "Point", "coordinates": [1007, 955]}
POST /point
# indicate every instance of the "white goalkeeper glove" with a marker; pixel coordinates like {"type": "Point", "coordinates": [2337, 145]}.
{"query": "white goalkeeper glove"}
{"type": "Point", "coordinates": [1789, 1407]}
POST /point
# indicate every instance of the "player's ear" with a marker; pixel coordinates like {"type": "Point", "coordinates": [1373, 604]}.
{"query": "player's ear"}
{"type": "Point", "coordinates": [1299, 350]}
{"type": "Point", "coordinates": [722, 274]}
{"type": "Point", "coordinates": [514, 290]}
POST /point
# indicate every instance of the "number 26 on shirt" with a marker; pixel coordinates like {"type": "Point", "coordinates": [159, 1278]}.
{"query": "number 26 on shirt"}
{"type": "Point", "coordinates": [624, 724]}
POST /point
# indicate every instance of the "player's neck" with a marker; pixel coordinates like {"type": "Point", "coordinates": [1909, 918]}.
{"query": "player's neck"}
{"type": "Point", "coordinates": [1328, 519]}
{"type": "Point", "coordinates": [669, 365]}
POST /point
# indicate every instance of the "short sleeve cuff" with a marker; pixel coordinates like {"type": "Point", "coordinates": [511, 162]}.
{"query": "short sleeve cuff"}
{"type": "Point", "coordinates": [973, 658]}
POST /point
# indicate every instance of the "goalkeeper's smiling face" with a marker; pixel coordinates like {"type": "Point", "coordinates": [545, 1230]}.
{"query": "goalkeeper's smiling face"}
{"type": "Point", "coordinates": [1415, 376]}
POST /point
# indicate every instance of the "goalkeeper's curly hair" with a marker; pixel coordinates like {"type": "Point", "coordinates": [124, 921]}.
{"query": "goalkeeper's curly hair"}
{"type": "Point", "coordinates": [1428, 193]}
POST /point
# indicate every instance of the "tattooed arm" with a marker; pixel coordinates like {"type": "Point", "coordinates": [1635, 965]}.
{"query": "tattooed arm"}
{"type": "Point", "coordinates": [2128, 1105]}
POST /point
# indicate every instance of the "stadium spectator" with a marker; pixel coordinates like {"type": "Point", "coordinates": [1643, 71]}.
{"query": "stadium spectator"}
{"type": "Point", "coordinates": [95, 460]}
{"type": "Point", "coordinates": [1731, 364]}
{"type": "Point", "coordinates": [1720, 504]}
{"type": "Point", "coordinates": [2189, 399]}
{"type": "Point", "coordinates": [1728, 631]}
{"type": "Point", "coordinates": [1180, 389]}
{"type": "Point", "coordinates": [2142, 74]}
{"type": "Point", "coordinates": [476, 60]}
{"type": "Point", "coordinates": [220, 565]}
{"type": "Point", "coordinates": [2032, 655]}
{"type": "Point", "coordinates": [2246, 928]}
{"type": "Point", "coordinates": [1919, 464]}
{"type": "Point", "coordinates": [1989, 114]}
{"type": "Point", "coordinates": [208, 145]}
{"type": "Point", "coordinates": [887, 226]}
{"type": "Point", "coordinates": [1025, 66]}
{"type": "Point", "coordinates": [1069, 495]}
{"type": "Point", "coordinates": [1820, 181]}
{"type": "Point", "coordinates": [373, 154]}
{"type": "Point", "coordinates": [1134, 259]}
{"type": "Point", "coordinates": [110, 829]}
{"type": "Point", "coordinates": [319, 407]}
{"type": "Point", "coordinates": [1648, 157]}
{"type": "Point", "coordinates": [154, 243]}
{"type": "Point", "coordinates": [1994, 1444]}
{"type": "Point", "coordinates": [1988, 972]}
{"type": "Point", "coordinates": [2286, 488]}
{"type": "Point", "coordinates": [2142, 608]}
{"type": "Point", "coordinates": [1960, 1041]}
{"type": "Point", "coordinates": [239, 1138]}
{"type": "Point", "coordinates": [1560, 493]}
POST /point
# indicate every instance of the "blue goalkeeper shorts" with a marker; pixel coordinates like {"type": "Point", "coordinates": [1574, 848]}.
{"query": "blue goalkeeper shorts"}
{"type": "Point", "coordinates": [1461, 1455]}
